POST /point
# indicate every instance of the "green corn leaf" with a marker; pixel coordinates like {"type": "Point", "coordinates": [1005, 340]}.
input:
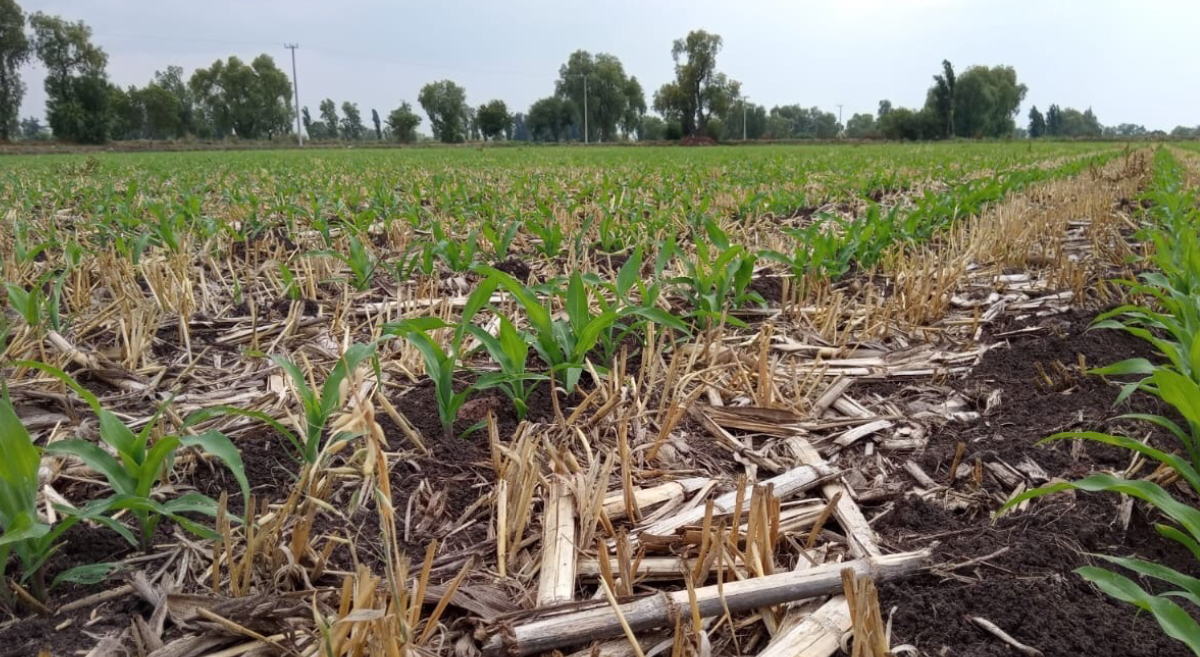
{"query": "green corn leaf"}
{"type": "Point", "coordinates": [219, 445]}
{"type": "Point", "coordinates": [1189, 584]}
{"type": "Point", "coordinates": [87, 575]}
{"type": "Point", "coordinates": [218, 411]}
{"type": "Point", "coordinates": [1185, 469]}
{"type": "Point", "coordinates": [18, 466]}
{"type": "Point", "coordinates": [1170, 616]}
{"type": "Point", "coordinates": [97, 459]}
{"type": "Point", "coordinates": [1127, 366]}
{"type": "Point", "coordinates": [157, 464]}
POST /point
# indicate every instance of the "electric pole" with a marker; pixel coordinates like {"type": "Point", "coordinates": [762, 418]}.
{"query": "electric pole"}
{"type": "Point", "coordinates": [585, 103]}
{"type": "Point", "coordinates": [296, 88]}
{"type": "Point", "coordinates": [840, 129]}
{"type": "Point", "coordinates": [744, 99]}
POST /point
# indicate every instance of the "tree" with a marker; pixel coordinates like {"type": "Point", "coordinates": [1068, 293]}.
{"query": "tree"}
{"type": "Point", "coordinates": [1037, 123]}
{"type": "Point", "coordinates": [378, 125]}
{"type": "Point", "coordinates": [613, 98]}
{"type": "Point", "coordinates": [352, 127]}
{"type": "Point", "coordinates": [755, 117]}
{"type": "Point", "coordinates": [493, 119]}
{"type": "Point", "coordinates": [942, 97]}
{"type": "Point", "coordinates": [699, 91]}
{"type": "Point", "coordinates": [885, 106]}
{"type": "Point", "coordinates": [861, 126]}
{"type": "Point", "coordinates": [549, 119]}
{"type": "Point", "coordinates": [1073, 123]}
{"type": "Point", "coordinates": [445, 103]}
{"type": "Point", "coordinates": [804, 123]}
{"type": "Point", "coordinates": [161, 114]}
{"type": "Point", "coordinates": [329, 117]}
{"type": "Point", "coordinates": [126, 113]}
{"type": "Point", "coordinates": [14, 52]}
{"type": "Point", "coordinates": [910, 125]}
{"type": "Point", "coordinates": [77, 92]}
{"type": "Point", "coordinates": [635, 107]}
{"type": "Point", "coordinates": [986, 100]}
{"type": "Point", "coordinates": [306, 119]}
{"type": "Point", "coordinates": [520, 129]}
{"type": "Point", "coordinates": [252, 101]}
{"type": "Point", "coordinates": [1054, 121]}
{"type": "Point", "coordinates": [403, 122]}
{"type": "Point", "coordinates": [32, 128]}
{"type": "Point", "coordinates": [173, 83]}
{"type": "Point", "coordinates": [652, 128]}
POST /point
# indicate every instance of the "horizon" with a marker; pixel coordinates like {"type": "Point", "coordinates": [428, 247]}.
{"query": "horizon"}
{"type": "Point", "coordinates": [343, 56]}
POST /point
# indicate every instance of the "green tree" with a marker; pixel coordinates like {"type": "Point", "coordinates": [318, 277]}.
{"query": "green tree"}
{"type": "Point", "coordinates": [77, 93]}
{"type": "Point", "coordinates": [986, 101]}
{"type": "Point", "coordinates": [806, 123]}
{"type": "Point", "coordinates": [1054, 121]}
{"type": "Point", "coordinates": [885, 106]}
{"type": "Point", "coordinates": [306, 119]}
{"type": "Point", "coordinates": [494, 119]}
{"type": "Point", "coordinates": [32, 128]}
{"type": "Point", "coordinates": [861, 126]}
{"type": "Point", "coordinates": [1037, 123]}
{"type": "Point", "coordinates": [445, 103]}
{"type": "Point", "coordinates": [378, 124]}
{"type": "Point", "coordinates": [329, 117]}
{"type": "Point", "coordinates": [755, 117]}
{"type": "Point", "coordinates": [172, 81]}
{"type": "Point", "coordinates": [352, 126]}
{"type": "Point", "coordinates": [252, 101]}
{"type": "Point", "coordinates": [635, 108]}
{"type": "Point", "coordinates": [613, 98]}
{"type": "Point", "coordinates": [14, 52]}
{"type": "Point", "coordinates": [403, 122]}
{"type": "Point", "coordinates": [550, 118]}
{"type": "Point", "coordinates": [902, 123]}
{"type": "Point", "coordinates": [126, 113]}
{"type": "Point", "coordinates": [652, 128]}
{"type": "Point", "coordinates": [698, 92]}
{"type": "Point", "coordinates": [941, 98]}
{"type": "Point", "coordinates": [161, 112]}
{"type": "Point", "coordinates": [520, 131]}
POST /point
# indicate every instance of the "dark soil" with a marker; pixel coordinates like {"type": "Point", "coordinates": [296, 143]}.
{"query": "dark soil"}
{"type": "Point", "coordinates": [514, 267]}
{"type": "Point", "coordinates": [271, 470]}
{"type": "Point", "coordinates": [1030, 591]}
{"type": "Point", "coordinates": [63, 634]}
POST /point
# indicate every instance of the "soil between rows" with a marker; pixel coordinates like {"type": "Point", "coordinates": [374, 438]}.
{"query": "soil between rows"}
{"type": "Point", "coordinates": [1030, 591]}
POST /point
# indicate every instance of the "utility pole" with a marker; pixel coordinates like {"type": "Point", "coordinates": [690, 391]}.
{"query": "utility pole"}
{"type": "Point", "coordinates": [744, 99]}
{"type": "Point", "coordinates": [840, 129]}
{"type": "Point", "coordinates": [296, 88]}
{"type": "Point", "coordinates": [585, 103]}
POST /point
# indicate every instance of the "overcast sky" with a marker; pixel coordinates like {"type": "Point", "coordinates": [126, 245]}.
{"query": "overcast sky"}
{"type": "Point", "coordinates": [1133, 62]}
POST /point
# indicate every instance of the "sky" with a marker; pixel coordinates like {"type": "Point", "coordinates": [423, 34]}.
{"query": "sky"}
{"type": "Point", "coordinates": [1131, 62]}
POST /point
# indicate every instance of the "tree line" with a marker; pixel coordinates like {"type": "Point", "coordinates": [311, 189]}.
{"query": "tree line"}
{"type": "Point", "coordinates": [593, 100]}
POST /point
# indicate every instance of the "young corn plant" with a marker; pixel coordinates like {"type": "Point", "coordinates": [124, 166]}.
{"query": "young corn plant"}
{"type": "Point", "coordinates": [319, 406]}
{"type": "Point", "coordinates": [360, 261]}
{"type": "Point", "coordinates": [717, 278]}
{"type": "Point", "coordinates": [23, 532]}
{"type": "Point", "coordinates": [441, 364]}
{"type": "Point", "coordinates": [135, 468]}
{"type": "Point", "coordinates": [1182, 520]}
{"type": "Point", "coordinates": [510, 350]}
{"type": "Point", "coordinates": [563, 343]}
{"type": "Point", "coordinates": [1171, 326]}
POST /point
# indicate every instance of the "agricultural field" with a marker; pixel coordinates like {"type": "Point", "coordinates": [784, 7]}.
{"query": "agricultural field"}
{"type": "Point", "coordinates": [768, 400]}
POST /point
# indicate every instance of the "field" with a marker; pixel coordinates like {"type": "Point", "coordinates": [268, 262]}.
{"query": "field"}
{"type": "Point", "coordinates": [604, 401]}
